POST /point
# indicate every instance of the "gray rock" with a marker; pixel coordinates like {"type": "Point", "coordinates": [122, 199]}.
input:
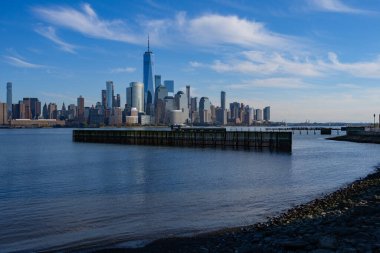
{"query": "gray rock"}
{"type": "Point", "coordinates": [327, 242]}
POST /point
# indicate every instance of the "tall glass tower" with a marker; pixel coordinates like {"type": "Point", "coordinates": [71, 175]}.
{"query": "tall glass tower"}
{"type": "Point", "coordinates": [148, 79]}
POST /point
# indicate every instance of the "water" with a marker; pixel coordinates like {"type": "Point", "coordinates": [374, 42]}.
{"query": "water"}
{"type": "Point", "coordinates": [57, 194]}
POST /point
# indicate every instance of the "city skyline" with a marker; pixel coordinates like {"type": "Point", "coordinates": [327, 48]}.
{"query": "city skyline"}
{"type": "Point", "coordinates": [320, 71]}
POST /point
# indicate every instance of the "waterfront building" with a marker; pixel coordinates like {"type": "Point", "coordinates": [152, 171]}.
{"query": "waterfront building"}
{"type": "Point", "coordinates": [131, 120]}
{"type": "Point", "coordinates": [259, 115]}
{"type": "Point", "coordinates": [110, 94]}
{"type": "Point", "coordinates": [52, 111]}
{"type": "Point", "coordinates": [234, 109]}
{"type": "Point", "coordinates": [18, 110]}
{"type": "Point", "coordinates": [169, 106]}
{"type": "Point", "coordinates": [9, 100]}
{"type": "Point", "coordinates": [144, 119]}
{"type": "Point", "coordinates": [135, 96]}
{"type": "Point", "coordinates": [72, 112]}
{"type": "Point", "coordinates": [148, 80]}
{"type": "Point", "coordinates": [45, 112]}
{"type": "Point", "coordinates": [80, 109]}
{"type": "Point", "coordinates": [36, 123]}
{"type": "Point", "coordinates": [104, 99]}
{"type": "Point", "coordinates": [32, 108]}
{"type": "Point", "coordinates": [221, 116]}
{"type": "Point", "coordinates": [95, 117]}
{"type": "Point", "coordinates": [3, 114]}
{"type": "Point", "coordinates": [157, 81]}
{"type": "Point", "coordinates": [223, 100]}
{"type": "Point", "coordinates": [169, 84]}
{"type": "Point", "coordinates": [251, 115]}
{"type": "Point", "coordinates": [204, 110]}
{"type": "Point", "coordinates": [181, 104]}
{"type": "Point", "coordinates": [161, 94]}
{"type": "Point", "coordinates": [118, 101]}
{"type": "Point", "coordinates": [267, 113]}
{"type": "Point", "coordinates": [115, 118]}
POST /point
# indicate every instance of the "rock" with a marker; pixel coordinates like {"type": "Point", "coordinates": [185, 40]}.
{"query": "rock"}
{"type": "Point", "coordinates": [293, 244]}
{"type": "Point", "coordinates": [327, 242]}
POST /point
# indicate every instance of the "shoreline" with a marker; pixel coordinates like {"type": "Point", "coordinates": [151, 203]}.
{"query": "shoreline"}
{"type": "Point", "coordinates": [375, 139]}
{"type": "Point", "coordinates": [346, 220]}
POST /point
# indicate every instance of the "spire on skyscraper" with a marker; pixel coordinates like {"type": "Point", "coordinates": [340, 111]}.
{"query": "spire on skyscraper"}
{"type": "Point", "coordinates": [148, 43]}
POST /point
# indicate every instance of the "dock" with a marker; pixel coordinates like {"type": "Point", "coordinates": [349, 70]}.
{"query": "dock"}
{"type": "Point", "coordinates": [191, 137]}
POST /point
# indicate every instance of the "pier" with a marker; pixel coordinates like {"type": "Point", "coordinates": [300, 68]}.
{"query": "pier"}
{"type": "Point", "coordinates": [191, 137]}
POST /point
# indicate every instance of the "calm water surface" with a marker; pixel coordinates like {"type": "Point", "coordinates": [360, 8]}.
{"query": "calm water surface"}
{"type": "Point", "coordinates": [57, 194]}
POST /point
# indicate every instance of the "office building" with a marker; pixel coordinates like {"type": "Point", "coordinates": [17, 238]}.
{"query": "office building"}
{"type": "Point", "coordinates": [267, 113]}
{"type": "Point", "coordinates": [259, 115]}
{"type": "Point", "coordinates": [3, 114]}
{"type": "Point", "coordinates": [169, 84]}
{"type": "Point", "coordinates": [110, 94]}
{"type": "Point", "coordinates": [181, 104]}
{"type": "Point", "coordinates": [204, 110]}
{"type": "Point", "coordinates": [118, 100]}
{"type": "Point", "coordinates": [148, 80]}
{"type": "Point", "coordinates": [223, 100]}
{"type": "Point", "coordinates": [80, 110]}
{"type": "Point", "coordinates": [135, 96]}
{"type": "Point", "coordinates": [104, 99]}
{"type": "Point", "coordinates": [52, 111]}
{"type": "Point", "coordinates": [157, 81]}
{"type": "Point", "coordinates": [45, 112]}
{"type": "Point", "coordinates": [32, 108]}
{"type": "Point", "coordinates": [9, 100]}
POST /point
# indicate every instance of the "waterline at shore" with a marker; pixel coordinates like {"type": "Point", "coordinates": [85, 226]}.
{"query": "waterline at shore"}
{"type": "Point", "coordinates": [347, 220]}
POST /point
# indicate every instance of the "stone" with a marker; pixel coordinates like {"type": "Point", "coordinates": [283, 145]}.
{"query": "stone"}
{"type": "Point", "coordinates": [327, 242]}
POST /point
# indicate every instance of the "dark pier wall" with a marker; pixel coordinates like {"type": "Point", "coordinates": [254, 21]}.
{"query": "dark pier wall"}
{"type": "Point", "coordinates": [279, 141]}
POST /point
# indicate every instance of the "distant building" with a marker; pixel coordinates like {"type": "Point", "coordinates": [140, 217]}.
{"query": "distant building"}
{"type": "Point", "coordinates": [259, 115]}
{"type": "Point", "coordinates": [3, 114]}
{"type": "Point", "coordinates": [181, 104]}
{"type": "Point", "coordinates": [157, 81]}
{"type": "Point", "coordinates": [9, 100]}
{"type": "Point", "coordinates": [32, 108]}
{"type": "Point", "coordinates": [204, 110]}
{"type": "Point", "coordinates": [118, 100]}
{"type": "Point", "coordinates": [161, 94]}
{"type": "Point", "coordinates": [234, 109]}
{"type": "Point", "coordinates": [104, 99]}
{"type": "Point", "coordinates": [267, 113]}
{"type": "Point", "coordinates": [148, 80]}
{"type": "Point", "coordinates": [110, 94]}
{"type": "Point", "coordinates": [169, 84]}
{"type": "Point", "coordinates": [223, 100]}
{"type": "Point", "coordinates": [144, 119]}
{"type": "Point", "coordinates": [52, 110]}
{"type": "Point", "coordinates": [135, 96]}
{"type": "Point", "coordinates": [221, 116]}
{"type": "Point", "coordinates": [37, 123]}
{"type": "Point", "coordinates": [115, 118]}
{"type": "Point", "coordinates": [80, 109]}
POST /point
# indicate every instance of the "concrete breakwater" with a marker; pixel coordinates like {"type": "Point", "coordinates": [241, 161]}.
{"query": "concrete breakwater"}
{"type": "Point", "coordinates": [191, 137]}
{"type": "Point", "coordinates": [359, 135]}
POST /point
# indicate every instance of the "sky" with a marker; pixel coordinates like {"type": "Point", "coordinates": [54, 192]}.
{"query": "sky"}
{"type": "Point", "coordinates": [310, 60]}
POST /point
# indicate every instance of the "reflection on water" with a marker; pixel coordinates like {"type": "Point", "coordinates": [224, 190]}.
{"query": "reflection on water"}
{"type": "Point", "coordinates": [55, 193]}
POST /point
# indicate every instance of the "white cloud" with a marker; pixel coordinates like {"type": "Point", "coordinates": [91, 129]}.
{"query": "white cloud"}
{"type": "Point", "coordinates": [280, 82]}
{"type": "Point", "coordinates": [369, 69]}
{"type": "Point", "coordinates": [123, 70]}
{"type": "Point", "coordinates": [20, 63]}
{"type": "Point", "coordinates": [336, 6]}
{"type": "Point", "coordinates": [87, 22]}
{"type": "Point", "coordinates": [49, 33]}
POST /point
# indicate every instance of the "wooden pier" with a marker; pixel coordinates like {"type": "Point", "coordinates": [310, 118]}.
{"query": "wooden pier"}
{"type": "Point", "coordinates": [191, 137]}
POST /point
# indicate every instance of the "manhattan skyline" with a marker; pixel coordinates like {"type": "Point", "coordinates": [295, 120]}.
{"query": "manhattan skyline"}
{"type": "Point", "coordinates": [310, 60]}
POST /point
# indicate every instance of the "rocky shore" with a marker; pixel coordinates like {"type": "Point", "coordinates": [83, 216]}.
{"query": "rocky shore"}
{"type": "Point", "coordinates": [358, 138]}
{"type": "Point", "coordinates": [347, 220]}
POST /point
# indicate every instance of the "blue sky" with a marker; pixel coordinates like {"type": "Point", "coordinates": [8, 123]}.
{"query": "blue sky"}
{"type": "Point", "coordinates": [316, 60]}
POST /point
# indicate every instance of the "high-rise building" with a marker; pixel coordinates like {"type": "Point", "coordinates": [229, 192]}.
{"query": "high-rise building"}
{"type": "Point", "coordinates": [259, 114]}
{"type": "Point", "coordinates": [118, 102]}
{"type": "Point", "coordinates": [223, 100]}
{"type": "Point", "coordinates": [104, 99]}
{"type": "Point", "coordinates": [267, 113]}
{"type": "Point", "coordinates": [161, 94]}
{"type": "Point", "coordinates": [45, 112]}
{"type": "Point", "coordinates": [234, 109]}
{"type": "Point", "coordinates": [148, 79]}
{"type": "Point", "coordinates": [157, 81]}
{"type": "Point", "coordinates": [9, 100]}
{"type": "Point", "coordinates": [52, 110]}
{"type": "Point", "coordinates": [204, 110]}
{"type": "Point", "coordinates": [110, 94]}
{"type": "Point", "coordinates": [32, 108]}
{"type": "Point", "coordinates": [169, 84]}
{"type": "Point", "coordinates": [80, 109]}
{"type": "Point", "coordinates": [135, 96]}
{"type": "Point", "coordinates": [3, 114]}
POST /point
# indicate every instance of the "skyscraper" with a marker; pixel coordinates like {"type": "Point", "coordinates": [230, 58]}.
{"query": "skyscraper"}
{"type": "Point", "coordinates": [204, 110]}
{"type": "Point", "coordinates": [32, 108]}
{"type": "Point", "coordinates": [157, 81]}
{"type": "Point", "coordinates": [110, 94]}
{"type": "Point", "coordinates": [9, 100]}
{"type": "Point", "coordinates": [80, 108]}
{"type": "Point", "coordinates": [169, 84]}
{"type": "Point", "coordinates": [135, 96]}
{"type": "Point", "coordinates": [104, 99]}
{"type": "Point", "coordinates": [267, 113]}
{"type": "Point", "coordinates": [3, 114]}
{"type": "Point", "coordinates": [223, 100]}
{"type": "Point", "coordinates": [148, 79]}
